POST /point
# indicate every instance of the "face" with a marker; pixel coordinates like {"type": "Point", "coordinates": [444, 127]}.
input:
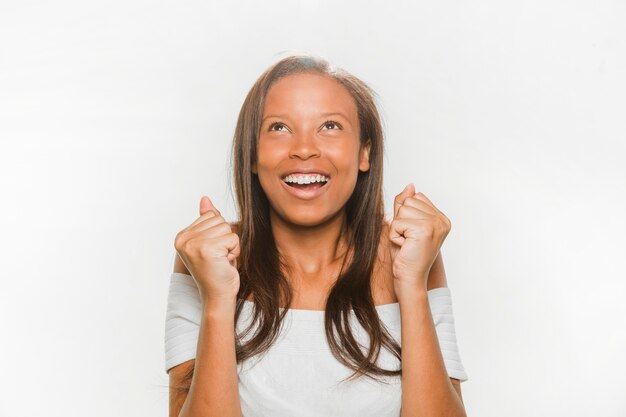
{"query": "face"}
{"type": "Point", "coordinates": [310, 131]}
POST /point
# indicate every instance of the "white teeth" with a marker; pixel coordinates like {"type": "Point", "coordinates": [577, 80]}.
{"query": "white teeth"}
{"type": "Point", "coordinates": [305, 179]}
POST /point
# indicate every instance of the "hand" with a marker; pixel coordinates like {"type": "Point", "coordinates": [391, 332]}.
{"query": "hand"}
{"type": "Point", "coordinates": [209, 249]}
{"type": "Point", "coordinates": [417, 232]}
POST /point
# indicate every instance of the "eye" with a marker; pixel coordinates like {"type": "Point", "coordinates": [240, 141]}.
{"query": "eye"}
{"type": "Point", "coordinates": [332, 123]}
{"type": "Point", "coordinates": [271, 127]}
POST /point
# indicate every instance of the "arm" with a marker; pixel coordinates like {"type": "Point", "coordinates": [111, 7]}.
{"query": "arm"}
{"type": "Point", "coordinates": [422, 359]}
{"type": "Point", "coordinates": [437, 279]}
{"type": "Point", "coordinates": [214, 387]}
{"type": "Point", "coordinates": [179, 386]}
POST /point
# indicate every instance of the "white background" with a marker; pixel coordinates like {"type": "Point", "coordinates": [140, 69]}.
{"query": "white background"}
{"type": "Point", "coordinates": [117, 116]}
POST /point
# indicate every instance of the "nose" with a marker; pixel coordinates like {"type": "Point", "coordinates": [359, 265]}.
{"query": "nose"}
{"type": "Point", "coordinates": [304, 147]}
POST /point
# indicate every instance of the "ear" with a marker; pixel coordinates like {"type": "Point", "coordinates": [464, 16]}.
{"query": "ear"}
{"type": "Point", "coordinates": [364, 157]}
{"type": "Point", "coordinates": [254, 168]}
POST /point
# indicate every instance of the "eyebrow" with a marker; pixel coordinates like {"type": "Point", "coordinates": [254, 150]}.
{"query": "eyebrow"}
{"type": "Point", "coordinates": [284, 116]}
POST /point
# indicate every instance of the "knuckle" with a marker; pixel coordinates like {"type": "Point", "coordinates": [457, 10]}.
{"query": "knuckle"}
{"type": "Point", "coordinates": [223, 228]}
{"type": "Point", "coordinates": [442, 226]}
{"type": "Point", "coordinates": [180, 241]}
{"type": "Point", "coordinates": [190, 246]}
{"type": "Point", "coordinates": [233, 239]}
{"type": "Point", "coordinates": [392, 228]}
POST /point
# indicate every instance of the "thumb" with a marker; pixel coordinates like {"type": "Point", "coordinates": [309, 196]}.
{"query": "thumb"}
{"type": "Point", "coordinates": [408, 191]}
{"type": "Point", "coordinates": [206, 205]}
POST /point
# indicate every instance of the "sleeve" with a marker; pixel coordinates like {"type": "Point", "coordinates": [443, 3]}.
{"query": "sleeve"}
{"type": "Point", "coordinates": [182, 320]}
{"type": "Point", "coordinates": [440, 301]}
{"type": "Point", "coordinates": [184, 313]}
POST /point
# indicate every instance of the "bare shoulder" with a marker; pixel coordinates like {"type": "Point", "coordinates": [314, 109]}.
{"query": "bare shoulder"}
{"type": "Point", "coordinates": [179, 265]}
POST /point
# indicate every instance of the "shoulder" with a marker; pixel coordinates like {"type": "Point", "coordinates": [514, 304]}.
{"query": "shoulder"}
{"type": "Point", "coordinates": [179, 265]}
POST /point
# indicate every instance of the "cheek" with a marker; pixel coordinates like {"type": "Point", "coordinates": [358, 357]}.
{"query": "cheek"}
{"type": "Point", "coordinates": [265, 157]}
{"type": "Point", "coordinates": [269, 152]}
{"type": "Point", "coordinates": [268, 157]}
{"type": "Point", "coordinates": [345, 157]}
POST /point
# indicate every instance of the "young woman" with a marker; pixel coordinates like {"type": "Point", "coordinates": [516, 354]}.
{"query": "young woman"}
{"type": "Point", "coordinates": [299, 308]}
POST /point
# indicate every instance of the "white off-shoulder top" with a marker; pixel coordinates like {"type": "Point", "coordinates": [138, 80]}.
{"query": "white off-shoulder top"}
{"type": "Point", "coordinates": [298, 376]}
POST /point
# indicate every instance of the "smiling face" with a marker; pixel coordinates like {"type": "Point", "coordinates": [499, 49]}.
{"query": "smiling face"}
{"type": "Point", "coordinates": [310, 126]}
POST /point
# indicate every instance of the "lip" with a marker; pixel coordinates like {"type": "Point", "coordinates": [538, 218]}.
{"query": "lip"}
{"type": "Point", "coordinates": [305, 172]}
{"type": "Point", "coordinates": [305, 194]}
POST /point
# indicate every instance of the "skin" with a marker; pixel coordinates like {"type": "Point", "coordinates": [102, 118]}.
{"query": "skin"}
{"type": "Point", "coordinates": [418, 230]}
{"type": "Point", "coordinates": [306, 230]}
{"type": "Point", "coordinates": [295, 133]}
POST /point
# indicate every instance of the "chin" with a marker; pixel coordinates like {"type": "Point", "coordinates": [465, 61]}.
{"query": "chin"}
{"type": "Point", "coordinates": [306, 221]}
{"type": "Point", "coordinates": [302, 217]}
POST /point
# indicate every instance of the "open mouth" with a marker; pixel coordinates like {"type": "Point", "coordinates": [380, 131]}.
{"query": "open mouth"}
{"type": "Point", "coordinates": [312, 186]}
{"type": "Point", "coordinates": [307, 182]}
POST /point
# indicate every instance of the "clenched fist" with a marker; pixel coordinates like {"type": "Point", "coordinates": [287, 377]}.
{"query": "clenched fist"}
{"type": "Point", "coordinates": [209, 249]}
{"type": "Point", "coordinates": [417, 232]}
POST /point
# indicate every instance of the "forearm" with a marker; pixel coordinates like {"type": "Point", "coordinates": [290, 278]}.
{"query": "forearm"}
{"type": "Point", "coordinates": [426, 387]}
{"type": "Point", "coordinates": [214, 388]}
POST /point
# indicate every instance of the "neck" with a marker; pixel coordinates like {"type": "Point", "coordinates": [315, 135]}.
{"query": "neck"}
{"type": "Point", "coordinates": [311, 251]}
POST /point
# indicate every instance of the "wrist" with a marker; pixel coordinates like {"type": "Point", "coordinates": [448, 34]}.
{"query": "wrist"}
{"type": "Point", "coordinates": [410, 286]}
{"type": "Point", "coordinates": [411, 300]}
{"type": "Point", "coordinates": [219, 306]}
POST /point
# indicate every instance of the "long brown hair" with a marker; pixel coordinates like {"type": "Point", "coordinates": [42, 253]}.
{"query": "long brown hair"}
{"type": "Point", "coordinates": [261, 268]}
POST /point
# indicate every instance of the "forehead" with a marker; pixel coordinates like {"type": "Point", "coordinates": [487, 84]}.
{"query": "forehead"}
{"type": "Point", "coordinates": [309, 94]}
